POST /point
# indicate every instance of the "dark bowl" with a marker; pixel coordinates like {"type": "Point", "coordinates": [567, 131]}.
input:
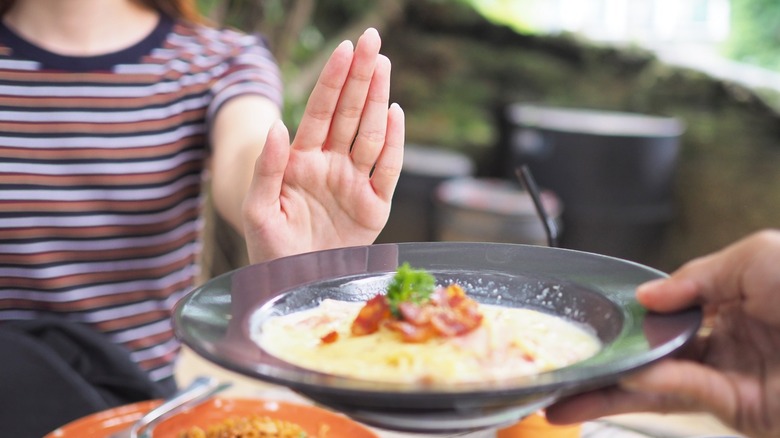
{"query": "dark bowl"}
{"type": "Point", "coordinates": [220, 319]}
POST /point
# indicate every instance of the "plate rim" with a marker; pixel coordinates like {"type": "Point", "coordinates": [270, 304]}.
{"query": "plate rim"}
{"type": "Point", "coordinates": [495, 392]}
{"type": "Point", "coordinates": [123, 416]}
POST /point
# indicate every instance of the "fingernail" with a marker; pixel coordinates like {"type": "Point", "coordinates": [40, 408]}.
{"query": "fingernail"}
{"type": "Point", "coordinates": [646, 287]}
{"type": "Point", "coordinates": [345, 43]}
{"type": "Point", "coordinates": [629, 386]}
{"type": "Point", "coordinates": [278, 126]}
{"type": "Point", "coordinates": [629, 383]}
{"type": "Point", "coordinates": [396, 106]}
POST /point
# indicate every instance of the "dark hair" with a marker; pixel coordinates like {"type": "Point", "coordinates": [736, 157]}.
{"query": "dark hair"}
{"type": "Point", "coordinates": [184, 9]}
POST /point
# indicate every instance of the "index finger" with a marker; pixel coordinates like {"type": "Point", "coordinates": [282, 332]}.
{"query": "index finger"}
{"type": "Point", "coordinates": [315, 124]}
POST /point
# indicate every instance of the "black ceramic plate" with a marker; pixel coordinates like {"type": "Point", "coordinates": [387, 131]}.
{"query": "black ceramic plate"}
{"type": "Point", "coordinates": [218, 319]}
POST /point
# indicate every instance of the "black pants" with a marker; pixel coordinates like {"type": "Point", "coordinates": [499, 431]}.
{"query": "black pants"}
{"type": "Point", "coordinates": [53, 372]}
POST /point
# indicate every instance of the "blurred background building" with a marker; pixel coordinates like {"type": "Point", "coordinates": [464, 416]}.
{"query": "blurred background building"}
{"type": "Point", "coordinates": [688, 33]}
{"type": "Point", "coordinates": [646, 22]}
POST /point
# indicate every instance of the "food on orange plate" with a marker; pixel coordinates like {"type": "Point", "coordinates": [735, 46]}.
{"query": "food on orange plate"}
{"type": "Point", "coordinates": [256, 426]}
{"type": "Point", "coordinates": [417, 331]}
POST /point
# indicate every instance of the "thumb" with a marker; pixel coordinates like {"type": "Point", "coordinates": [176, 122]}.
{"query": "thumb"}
{"type": "Point", "coordinates": [668, 294]}
{"type": "Point", "coordinates": [270, 165]}
{"type": "Point", "coordinates": [744, 272]}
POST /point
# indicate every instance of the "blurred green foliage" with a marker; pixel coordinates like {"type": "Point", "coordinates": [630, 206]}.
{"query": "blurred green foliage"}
{"type": "Point", "coordinates": [506, 12]}
{"type": "Point", "coordinates": [755, 32]}
{"type": "Point", "coordinates": [754, 38]}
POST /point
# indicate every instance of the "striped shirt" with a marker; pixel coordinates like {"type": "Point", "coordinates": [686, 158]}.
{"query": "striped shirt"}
{"type": "Point", "coordinates": [101, 167]}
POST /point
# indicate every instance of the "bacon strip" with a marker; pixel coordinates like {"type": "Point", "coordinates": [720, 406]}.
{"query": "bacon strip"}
{"type": "Point", "coordinates": [410, 332]}
{"type": "Point", "coordinates": [330, 337]}
{"type": "Point", "coordinates": [449, 313]}
{"type": "Point", "coordinates": [376, 311]}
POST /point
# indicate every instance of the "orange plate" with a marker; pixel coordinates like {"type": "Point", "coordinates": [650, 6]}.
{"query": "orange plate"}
{"type": "Point", "coordinates": [310, 418]}
{"type": "Point", "coordinates": [536, 425]}
{"type": "Point", "coordinates": [104, 423]}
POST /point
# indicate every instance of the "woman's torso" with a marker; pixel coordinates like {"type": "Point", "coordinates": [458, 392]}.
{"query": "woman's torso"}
{"type": "Point", "coordinates": [101, 168]}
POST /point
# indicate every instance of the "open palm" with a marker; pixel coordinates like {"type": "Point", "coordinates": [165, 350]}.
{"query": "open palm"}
{"type": "Point", "coordinates": [333, 185]}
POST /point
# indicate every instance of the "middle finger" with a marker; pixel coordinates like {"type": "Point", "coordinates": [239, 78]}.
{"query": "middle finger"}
{"type": "Point", "coordinates": [353, 96]}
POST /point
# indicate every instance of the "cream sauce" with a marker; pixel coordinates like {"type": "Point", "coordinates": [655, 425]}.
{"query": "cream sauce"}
{"type": "Point", "coordinates": [511, 342]}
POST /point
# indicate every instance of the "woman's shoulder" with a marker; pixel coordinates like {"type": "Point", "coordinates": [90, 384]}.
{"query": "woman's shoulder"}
{"type": "Point", "coordinates": [216, 40]}
{"type": "Point", "coordinates": [236, 61]}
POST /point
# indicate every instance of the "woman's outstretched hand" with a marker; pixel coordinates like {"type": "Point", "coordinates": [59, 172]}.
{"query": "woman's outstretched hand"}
{"type": "Point", "coordinates": [733, 371]}
{"type": "Point", "coordinates": [332, 187]}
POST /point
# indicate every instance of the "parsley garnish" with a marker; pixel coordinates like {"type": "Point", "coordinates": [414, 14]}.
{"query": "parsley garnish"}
{"type": "Point", "coordinates": [409, 285]}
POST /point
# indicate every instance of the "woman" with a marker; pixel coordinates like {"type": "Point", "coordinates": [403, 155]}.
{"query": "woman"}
{"type": "Point", "coordinates": [113, 112]}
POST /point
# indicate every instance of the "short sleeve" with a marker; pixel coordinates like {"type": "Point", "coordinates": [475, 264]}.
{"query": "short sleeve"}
{"type": "Point", "coordinates": [248, 68]}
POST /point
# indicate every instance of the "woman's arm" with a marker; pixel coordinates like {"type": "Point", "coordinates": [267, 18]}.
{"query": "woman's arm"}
{"type": "Point", "coordinates": [238, 136]}
{"type": "Point", "coordinates": [332, 185]}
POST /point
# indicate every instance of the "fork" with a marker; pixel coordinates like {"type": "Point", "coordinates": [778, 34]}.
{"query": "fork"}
{"type": "Point", "coordinates": [200, 390]}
